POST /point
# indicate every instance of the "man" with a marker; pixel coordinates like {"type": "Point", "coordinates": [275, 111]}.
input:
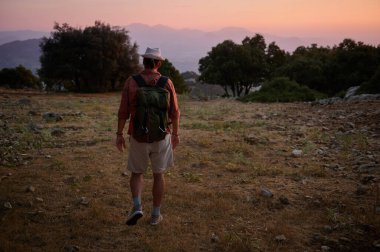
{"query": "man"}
{"type": "Point", "coordinates": [141, 149]}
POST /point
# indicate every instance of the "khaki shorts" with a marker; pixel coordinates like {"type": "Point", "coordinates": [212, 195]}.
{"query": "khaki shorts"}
{"type": "Point", "coordinates": [159, 153]}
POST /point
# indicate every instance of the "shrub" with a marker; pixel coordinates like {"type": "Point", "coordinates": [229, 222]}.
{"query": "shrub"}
{"type": "Point", "coordinates": [372, 86]}
{"type": "Point", "coordinates": [282, 89]}
{"type": "Point", "coordinates": [18, 77]}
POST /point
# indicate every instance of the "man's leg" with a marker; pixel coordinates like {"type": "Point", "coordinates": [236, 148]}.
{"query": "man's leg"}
{"type": "Point", "coordinates": [136, 184]}
{"type": "Point", "coordinates": [158, 193]}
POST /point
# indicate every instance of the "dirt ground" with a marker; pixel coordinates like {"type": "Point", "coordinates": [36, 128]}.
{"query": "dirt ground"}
{"type": "Point", "coordinates": [247, 177]}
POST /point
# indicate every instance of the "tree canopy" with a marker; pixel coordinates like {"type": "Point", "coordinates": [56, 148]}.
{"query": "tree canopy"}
{"type": "Point", "coordinates": [239, 67]}
{"type": "Point", "coordinates": [94, 59]}
{"type": "Point", "coordinates": [170, 71]}
{"type": "Point", "coordinates": [18, 77]}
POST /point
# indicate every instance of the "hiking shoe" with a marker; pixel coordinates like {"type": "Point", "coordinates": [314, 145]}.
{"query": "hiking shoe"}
{"type": "Point", "coordinates": [134, 216]}
{"type": "Point", "coordinates": [155, 219]}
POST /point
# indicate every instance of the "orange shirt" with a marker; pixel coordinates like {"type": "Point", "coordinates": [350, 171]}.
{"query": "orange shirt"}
{"type": "Point", "coordinates": [128, 101]}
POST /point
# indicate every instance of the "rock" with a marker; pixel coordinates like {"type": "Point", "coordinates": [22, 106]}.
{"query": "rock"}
{"type": "Point", "coordinates": [325, 248]}
{"type": "Point", "coordinates": [361, 190]}
{"type": "Point", "coordinates": [32, 113]}
{"type": "Point", "coordinates": [328, 229]}
{"type": "Point", "coordinates": [254, 140]}
{"type": "Point", "coordinates": [284, 200]}
{"type": "Point", "coordinates": [125, 174]}
{"type": "Point", "coordinates": [377, 210]}
{"type": "Point", "coordinates": [48, 156]}
{"type": "Point", "coordinates": [52, 117]}
{"type": "Point", "coordinates": [351, 92]}
{"type": "Point", "coordinates": [214, 238]}
{"type": "Point", "coordinates": [57, 132]}
{"type": "Point", "coordinates": [84, 201]}
{"type": "Point", "coordinates": [30, 189]}
{"type": "Point", "coordinates": [376, 244]}
{"type": "Point", "coordinates": [367, 179]}
{"type": "Point", "coordinates": [297, 153]}
{"type": "Point", "coordinates": [9, 174]}
{"type": "Point", "coordinates": [369, 167]}
{"type": "Point", "coordinates": [280, 238]}
{"type": "Point", "coordinates": [39, 199]}
{"type": "Point", "coordinates": [265, 192]}
{"type": "Point", "coordinates": [8, 205]}
{"type": "Point", "coordinates": [71, 248]}
{"type": "Point", "coordinates": [364, 97]}
{"type": "Point", "coordinates": [34, 127]}
{"type": "Point", "coordinates": [24, 101]}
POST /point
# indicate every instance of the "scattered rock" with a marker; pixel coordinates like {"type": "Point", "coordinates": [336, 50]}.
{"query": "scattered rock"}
{"type": "Point", "coordinates": [34, 127]}
{"type": "Point", "coordinates": [265, 192]}
{"type": "Point", "coordinates": [325, 248]}
{"type": "Point", "coordinates": [327, 228]}
{"type": "Point", "coordinates": [8, 205]}
{"type": "Point", "coordinates": [71, 248]}
{"type": "Point", "coordinates": [125, 174]}
{"type": "Point", "coordinates": [297, 153]}
{"type": "Point", "coordinates": [57, 132]}
{"type": "Point", "coordinates": [254, 140]}
{"type": "Point", "coordinates": [280, 238]}
{"type": "Point", "coordinates": [376, 244]}
{"type": "Point", "coordinates": [24, 101]}
{"type": "Point", "coordinates": [32, 113]}
{"type": "Point", "coordinates": [39, 199]}
{"type": "Point", "coordinates": [284, 200]}
{"type": "Point", "coordinates": [351, 92]}
{"type": "Point", "coordinates": [30, 189]}
{"type": "Point", "coordinates": [362, 189]}
{"type": "Point", "coordinates": [48, 156]}
{"type": "Point", "coordinates": [9, 174]}
{"type": "Point", "coordinates": [84, 201]}
{"type": "Point", "coordinates": [52, 117]}
{"type": "Point", "coordinates": [214, 238]}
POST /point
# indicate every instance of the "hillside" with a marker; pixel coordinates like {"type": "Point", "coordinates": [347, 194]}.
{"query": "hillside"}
{"type": "Point", "coordinates": [26, 53]}
{"type": "Point", "coordinates": [247, 177]}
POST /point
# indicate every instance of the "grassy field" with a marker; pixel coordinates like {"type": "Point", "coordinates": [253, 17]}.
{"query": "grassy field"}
{"type": "Point", "coordinates": [64, 185]}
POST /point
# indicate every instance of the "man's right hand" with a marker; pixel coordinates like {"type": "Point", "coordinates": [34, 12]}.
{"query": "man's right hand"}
{"type": "Point", "coordinates": [120, 143]}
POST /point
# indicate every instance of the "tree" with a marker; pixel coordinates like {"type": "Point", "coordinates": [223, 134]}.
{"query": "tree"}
{"type": "Point", "coordinates": [18, 77]}
{"type": "Point", "coordinates": [167, 69]}
{"type": "Point", "coordinates": [96, 59]}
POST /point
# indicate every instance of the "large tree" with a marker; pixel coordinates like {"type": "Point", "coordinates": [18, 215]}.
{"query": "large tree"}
{"type": "Point", "coordinates": [97, 58]}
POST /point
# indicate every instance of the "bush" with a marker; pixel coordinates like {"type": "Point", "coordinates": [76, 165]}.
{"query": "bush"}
{"type": "Point", "coordinates": [18, 77]}
{"type": "Point", "coordinates": [282, 89]}
{"type": "Point", "coordinates": [372, 86]}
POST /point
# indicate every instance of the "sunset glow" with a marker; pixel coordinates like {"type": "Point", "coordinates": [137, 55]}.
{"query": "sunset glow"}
{"type": "Point", "coordinates": [354, 18]}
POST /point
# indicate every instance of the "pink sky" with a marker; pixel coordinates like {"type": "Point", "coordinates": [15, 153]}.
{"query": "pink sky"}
{"type": "Point", "coordinates": [351, 18]}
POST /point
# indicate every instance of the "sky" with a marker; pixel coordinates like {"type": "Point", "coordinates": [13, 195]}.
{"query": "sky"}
{"type": "Point", "coordinates": [358, 19]}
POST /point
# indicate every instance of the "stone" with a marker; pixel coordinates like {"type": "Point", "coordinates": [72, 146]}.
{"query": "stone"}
{"type": "Point", "coordinates": [265, 192]}
{"type": "Point", "coordinates": [9, 174]}
{"type": "Point", "coordinates": [125, 174]}
{"type": "Point", "coordinates": [280, 238]}
{"type": "Point", "coordinates": [214, 238]}
{"type": "Point", "coordinates": [297, 153]}
{"type": "Point", "coordinates": [52, 117]}
{"type": "Point", "coordinates": [351, 92]}
{"type": "Point", "coordinates": [48, 156]}
{"type": "Point", "coordinates": [284, 200]}
{"type": "Point", "coordinates": [8, 205]}
{"type": "Point", "coordinates": [34, 127]}
{"type": "Point", "coordinates": [24, 101]}
{"type": "Point", "coordinates": [39, 199]}
{"type": "Point", "coordinates": [57, 132]}
{"type": "Point", "coordinates": [325, 248]}
{"type": "Point", "coordinates": [30, 189]}
{"type": "Point", "coordinates": [361, 190]}
{"type": "Point", "coordinates": [84, 201]}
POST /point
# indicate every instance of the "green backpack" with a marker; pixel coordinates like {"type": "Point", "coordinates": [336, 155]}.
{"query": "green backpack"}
{"type": "Point", "coordinates": [151, 118]}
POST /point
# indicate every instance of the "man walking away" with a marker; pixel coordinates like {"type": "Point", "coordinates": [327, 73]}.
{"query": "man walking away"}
{"type": "Point", "coordinates": [150, 102]}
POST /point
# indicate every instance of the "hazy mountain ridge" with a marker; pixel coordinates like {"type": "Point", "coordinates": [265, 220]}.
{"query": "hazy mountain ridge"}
{"type": "Point", "coordinates": [183, 47]}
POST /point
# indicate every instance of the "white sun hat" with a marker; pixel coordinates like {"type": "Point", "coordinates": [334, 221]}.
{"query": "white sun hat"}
{"type": "Point", "coordinates": [153, 53]}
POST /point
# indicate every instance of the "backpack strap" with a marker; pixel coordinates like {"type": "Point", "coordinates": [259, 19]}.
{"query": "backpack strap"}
{"type": "Point", "coordinates": [162, 81]}
{"type": "Point", "coordinates": [139, 79]}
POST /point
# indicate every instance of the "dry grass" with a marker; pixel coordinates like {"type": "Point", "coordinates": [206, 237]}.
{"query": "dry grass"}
{"type": "Point", "coordinates": [229, 151]}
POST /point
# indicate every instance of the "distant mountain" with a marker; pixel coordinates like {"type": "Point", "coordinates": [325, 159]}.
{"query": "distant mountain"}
{"type": "Point", "coordinates": [183, 47]}
{"type": "Point", "coordinates": [26, 53]}
{"type": "Point", "coordinates": [9, 36]}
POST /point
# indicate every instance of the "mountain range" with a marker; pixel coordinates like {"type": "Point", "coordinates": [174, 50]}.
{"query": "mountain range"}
{"type": "Point", "coordinates": [183, 47]}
